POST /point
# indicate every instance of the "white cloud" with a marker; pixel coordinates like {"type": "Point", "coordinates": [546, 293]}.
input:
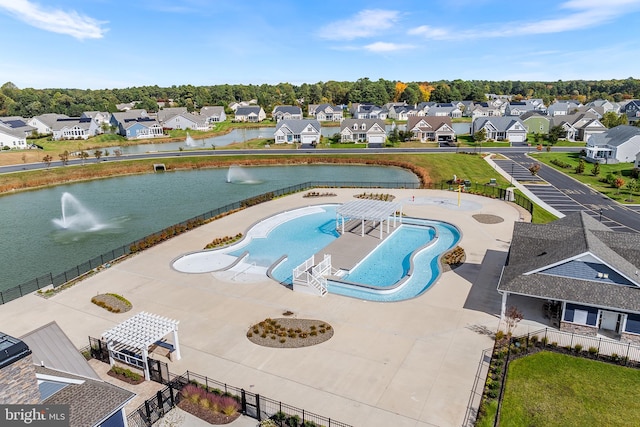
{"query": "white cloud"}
{"type": "Point", "coordinates": [55, 20]}
{"type": "Point", "coordinates": [365, 23]}
{"type": "Point", "coordinates": [576, 15]}
{"type": "Point", "coordinates": [430, 32]}
{"type": "Point", "coordinates": [387, 47]}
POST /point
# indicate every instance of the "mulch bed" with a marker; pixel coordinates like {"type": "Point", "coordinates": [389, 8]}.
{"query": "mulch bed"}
{"type": "Point", "coordinates": [206, 414]}
{"type": "Point", "coordinates": [488, 219]}
{"type": "Point", "coordinates": [111, 301]}
{"type": "Point", "coordinates": [304, 325]}
{"type": "Point", "coordinates": [125, 379]}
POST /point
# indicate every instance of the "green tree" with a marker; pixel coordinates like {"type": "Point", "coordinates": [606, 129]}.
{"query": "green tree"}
{"type": "Point", "coordinates": [595, 170]}
{"type": "Point", "coordinates": [480, 135]}
{"type": "Point", "coordinates": [97, 154]}
{"type": "Point", "coordinates": [632, 186]}
{"type": "Point", "coordinates": [47, 160]}
{"type": "Point", "coordinates": [555, 133]}
{"type": "Point", "coordinates": [580, 167]}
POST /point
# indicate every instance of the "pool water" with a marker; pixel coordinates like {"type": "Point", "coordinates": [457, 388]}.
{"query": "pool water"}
{"type": "Point", "coordinates": [307, 234]}
{"type": "Point", "coordinates": [391, 261]}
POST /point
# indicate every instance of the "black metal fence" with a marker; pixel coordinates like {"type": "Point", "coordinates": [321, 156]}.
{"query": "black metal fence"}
{"type": "Point", "coordinates": [590, 347]}
{"type": "Point", "coordinates": [102, 261]}
{"type": "Point", "coordinates": [251, 404]}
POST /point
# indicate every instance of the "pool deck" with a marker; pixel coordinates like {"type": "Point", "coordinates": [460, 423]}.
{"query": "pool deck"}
{"type": "Point", "coordinates": [410, 363]}
{"type": "Point", "coordinates": [351, 247]}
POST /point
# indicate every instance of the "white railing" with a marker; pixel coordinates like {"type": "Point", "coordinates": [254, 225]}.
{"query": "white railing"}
{"type": "Point", "coordinates": [310, 275]}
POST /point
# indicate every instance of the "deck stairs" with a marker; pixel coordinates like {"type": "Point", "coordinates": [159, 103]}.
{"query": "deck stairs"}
{"type": "Point", "coordinates": [311, 278]}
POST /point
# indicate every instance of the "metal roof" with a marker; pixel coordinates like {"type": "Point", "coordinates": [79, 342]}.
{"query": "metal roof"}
{"type": "Point", "coordinates": [368, 209]}
{"type": "Point", "coordinates": [141, 330]}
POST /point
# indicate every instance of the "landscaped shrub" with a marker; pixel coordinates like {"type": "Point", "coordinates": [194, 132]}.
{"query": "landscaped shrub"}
{"type": "Point", "coordinates": [454, 257]}
{"type": "Point", "coordinates": [127, 373]}
{"type": "Point", "coordinates": [593, 351]}
{"type": "Point", "coordinates": [223, 241]}
{"type": "Point", "coordinates": [578, 348]}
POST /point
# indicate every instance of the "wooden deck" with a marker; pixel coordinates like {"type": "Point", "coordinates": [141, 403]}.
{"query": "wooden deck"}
{"type": "Point", "coordinates": [351, 247]}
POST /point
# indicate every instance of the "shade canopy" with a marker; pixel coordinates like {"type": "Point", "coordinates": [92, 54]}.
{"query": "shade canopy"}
{"type": "Point", "coordinates": [141, 330]}
{"type": "Point", "coordinates": [364, 209]}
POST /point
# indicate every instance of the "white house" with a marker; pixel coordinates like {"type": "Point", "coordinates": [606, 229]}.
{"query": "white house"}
{"type": "Point", "coordinates": [186, 121]}
{"type": "Point", "coordinates": [306, 132]}
{"type": "Point", "coordinates": [370, 131]}
{"type": "Point", "coordinates": [12, 138]}
{"type": "Point", "coordinates": [213, 113]}
{"type": "Point", "coordinates": [252, 114]}
{"type": "Point", "coordinates": [327, 113]}
{"type": "Point", "coordinates": [508, 128]}
{"type": "Point", "coordinates": [619, 144]}
{"type": "Point", "coordinates": [74, 128]}
{"type": "Point", "coordinates": [44, 122]}
{"type": "Point", "coordinates": [431, 128]}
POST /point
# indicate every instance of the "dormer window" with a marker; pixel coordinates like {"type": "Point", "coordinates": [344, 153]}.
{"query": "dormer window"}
{"type": "Point", "coordinates": [355, 126]}
{"type": "Point", "coordinates": [363, 126]}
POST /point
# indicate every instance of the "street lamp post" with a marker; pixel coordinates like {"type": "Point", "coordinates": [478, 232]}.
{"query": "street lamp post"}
{"type": "Point", "coordinates": [512, 172]}
{"type": "Point", "coordinates": [600, 214]}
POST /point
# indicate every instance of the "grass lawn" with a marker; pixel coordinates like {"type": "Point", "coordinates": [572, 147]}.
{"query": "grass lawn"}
{"type": "Point", "coordinates": [622, 169]}
{"type": "Point", "coordinates": [550, 389]}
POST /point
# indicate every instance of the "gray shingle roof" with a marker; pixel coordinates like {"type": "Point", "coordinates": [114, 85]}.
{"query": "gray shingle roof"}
{"type": "Point", "coordinates": [91, 402]}
{"type": "Point", "coordinates": [535, 247]}
{"type": "Point", "coordinates": [297, 126]}
{"type": "Point", "coordinates": [615, 136]}
{"type": "Point", "coordinates": [368, 124]}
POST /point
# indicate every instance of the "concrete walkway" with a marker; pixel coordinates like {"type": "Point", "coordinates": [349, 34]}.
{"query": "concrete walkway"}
{"type": "Point", "coordinates": [409, 363]}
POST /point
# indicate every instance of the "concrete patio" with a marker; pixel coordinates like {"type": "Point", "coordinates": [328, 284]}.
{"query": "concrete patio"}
{"type": "Point", "coordinates": [409, 363]}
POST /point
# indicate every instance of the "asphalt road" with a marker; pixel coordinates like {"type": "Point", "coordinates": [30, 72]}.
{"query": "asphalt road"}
{"type": "Point", "coordinates": [568, 195]}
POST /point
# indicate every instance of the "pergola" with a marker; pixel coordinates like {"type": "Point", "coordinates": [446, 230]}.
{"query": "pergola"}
{"type": "Point", "coordinates": [130, 340]}
{"type": "Point", "coordinates": [369, 210]}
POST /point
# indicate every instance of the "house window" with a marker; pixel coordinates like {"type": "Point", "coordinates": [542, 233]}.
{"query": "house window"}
{"type": "Point", "coordinates": [363, 126]}
{"type": "Point", "coordinates": [581, 314]}
{"type": "Point", "coordinates": [633, 324]}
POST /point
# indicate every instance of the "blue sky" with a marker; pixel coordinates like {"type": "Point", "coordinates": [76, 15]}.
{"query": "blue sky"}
{"type": "Point", "coordinates": [97, 44]}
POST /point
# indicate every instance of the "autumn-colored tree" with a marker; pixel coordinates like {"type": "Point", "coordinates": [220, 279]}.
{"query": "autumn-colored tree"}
{"type": "Point", "coordinates": [512, 317]}
{"type": "Point", "coordinates": [618, 183]}
{"type": "Point", "coordinates": [534, 169]}
{"type": "Point", "coordinates": [400, 87]}
{"type": "Point", "coordinates": [425, 90]}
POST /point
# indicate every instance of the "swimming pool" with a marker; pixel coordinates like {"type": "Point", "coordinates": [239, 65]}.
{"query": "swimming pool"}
{"type": "Point", "coordinates": [409, 255]}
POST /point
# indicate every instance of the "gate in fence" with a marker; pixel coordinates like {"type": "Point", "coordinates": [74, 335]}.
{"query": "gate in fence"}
{"type": "Point", "coordinates": [98, 349]}
{"type": "Point", "coordinates": [158, 371]}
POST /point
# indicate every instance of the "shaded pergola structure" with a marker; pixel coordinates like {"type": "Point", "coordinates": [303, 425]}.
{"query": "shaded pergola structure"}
{"type": "Point", "coordinates": [130, 340]}
{"type": "Point", "coordinates": [363, 210]}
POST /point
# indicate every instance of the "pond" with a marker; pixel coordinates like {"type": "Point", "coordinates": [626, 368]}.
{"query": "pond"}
{"type": "Point", "coordinates": [54, 229]}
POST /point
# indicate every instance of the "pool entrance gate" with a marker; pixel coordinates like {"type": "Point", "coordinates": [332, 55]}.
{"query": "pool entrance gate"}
{"type": "Point", "coordinates": [311, 278]}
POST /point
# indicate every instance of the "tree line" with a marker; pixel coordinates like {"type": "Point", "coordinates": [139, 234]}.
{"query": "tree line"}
{"type": "Point", "coordinates": [31, 102]}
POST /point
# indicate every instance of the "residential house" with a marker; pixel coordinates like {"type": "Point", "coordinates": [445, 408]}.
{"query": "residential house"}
{"type": "Point", "coordinates": [44, 122]}
{"type": "Point", "coordinates": [302, 131]}
{"type": "Point", "coordinates": [619, 144]}
{"type": "Point", "coordinates": [632, 110]}
{"type": "Point", "coordinates": [578, 127]}
{"type": "Point", "coordinates": [485, 109]}
{"type": "Point", "coordinates": [518, 108]}
{"type": "Point", "coordinates": [185, 121]}
{"type": "Point", "coordinates": [117, 119]}
{"type": "Point", "coordinates": [286, 112]}
{"type": "Point", "coordinates": [17, 124]}
{"type": "Point", "coordinates": [235, 105]}
{"type": "Point", "coordinates": [606, 105]}
{"type": "Point", "coordinates": [445, 110]}
{"type": "Point", "coordinates": [14, 139]}
{"type": "Point", "coordinates": [141, 128]}
{"type": "Point", "coordinates": [563, 108]}
{"type": "Point", "coordinates": [136, 124]}
{"type": "Point", "coordinates": [510, 129]}
{"type": "Point", "coordinates": [368, 111]}
{"type": "Point", "coordinates": [327, 113]}
{"type": "Point", "coordinates": [126, 106]}
{"type": "Point", "coordinates": [579, 265]}
{"type": "Point", "coordinates": [536, 122]}
{"type": "Point", "coordinates": [100, 117]}
{"type": "Point", "coordinates": [74, 128]}
{"type": "Point", "coordinates": [369, 131]}
{"type": "Point", "coordinates": [432, 128]}
{"type": "Point", "coordinates": [167, 113]}
{"type": "Point", "coordinates": [44, 368]}
{"type": "Point", "coordinates": [213, 114]}
{"type": "Point", "coordinates": [403, 112]}
{"type": "Point", "coordinates": [467, 108]}
{"type": "Point", "coordinates": [598, 112]}
{"type": "Point", "coordinates": [253, 114]}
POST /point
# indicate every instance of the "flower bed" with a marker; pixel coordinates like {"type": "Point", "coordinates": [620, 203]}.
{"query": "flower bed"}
{"type": "Point", "coordinates": [289, 333]}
